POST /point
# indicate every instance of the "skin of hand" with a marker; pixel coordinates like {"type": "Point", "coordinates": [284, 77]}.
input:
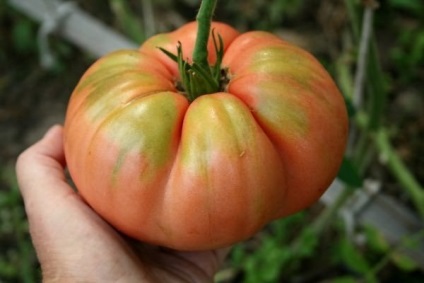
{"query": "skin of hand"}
{"type": "Point", "coordinates": [74, 244]}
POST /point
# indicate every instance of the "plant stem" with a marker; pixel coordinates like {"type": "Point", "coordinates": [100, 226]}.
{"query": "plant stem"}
{"type": "Point", "coordinates": [330, 213]}
{"type": "Point", "coordinates": [363, 56]}
{"type": "Point", "coordinates": [204, 19]}
{"type": "Point", "coordinates": [197, 77]}
{"type": "Point", "coordinates": [377, 88]}
{"type": "Point", "coordinates": [394, 163]}
{"type": "Point", "coordinates": [354, 18]}
{"type": "Point", "coordinates": [406, 242]}
{"type": "Point", "coordinates": [400, 171]}
{"type": "Point", "coordinates": [148, 18]}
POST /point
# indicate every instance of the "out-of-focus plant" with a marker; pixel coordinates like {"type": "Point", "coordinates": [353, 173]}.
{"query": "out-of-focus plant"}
{"type": "Point", "coordinates": [310, 239]}
{"type": "Point", "coordinates": [271, 254]}
{"type": "Point", "coordinates": [136, 21]}
{"type": "Point", "coordinates": [408, 55]}
{"type": "Point", "coordinates": [366, 88]}
{"type": "Point", "coordinates": [17, 33]}
{"type": "Point", "coordinates": [17, 259]}
{"type": "Point", "coordinates": [257, 14]}
{"type": "Point", "coordinates": [254, 14]}
{"type": "Point", "coordinates": [18, 37]}
{"type": "Point", "coordinates": [127, 20]}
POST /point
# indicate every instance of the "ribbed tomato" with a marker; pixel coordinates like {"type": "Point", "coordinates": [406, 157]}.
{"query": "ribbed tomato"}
{"type": "Point", "coordinates": [211, 172]}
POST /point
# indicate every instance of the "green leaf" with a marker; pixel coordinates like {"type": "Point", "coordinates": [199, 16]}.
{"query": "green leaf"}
{"type": "Point", "coordinates": [309, 240]}
{"type": "Point", "coordinates": [128, 20]}
{"type": "Point", "coordinates": [23, 37]}
{"type": "Point", "coordinates": [169, 54]}
{"type": "Point", "coordinates": [352, 257]}
{"type": "Point", "coordinates": [376, 240]}
{"type": "Point", "coordinates": [219, 51]}
{"type": "Point", "coordinates": [411, 5]}
{"type": "Point", "coordinates": [403, 262]}
{"type": "Point", "coordinates": [351, 111]}
{"type": "Point", "coordinates": [349, 173]}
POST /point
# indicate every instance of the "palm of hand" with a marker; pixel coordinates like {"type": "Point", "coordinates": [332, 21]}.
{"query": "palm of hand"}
{"type": "Point", "coordinates": [74, 244]}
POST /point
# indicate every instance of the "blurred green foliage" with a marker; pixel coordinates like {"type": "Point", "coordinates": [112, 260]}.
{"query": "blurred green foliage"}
{"type": "Point", "coordinates": [17, 34]}
{"type": "Point", "coordinates": [23, 36]}
{"type": "Point", "coordinates": [17, 259]}
{"type": "Point", "coordinates": [18, 38]}
{"type": "Point", "coordinates": [407, 54]}
{"type": "Point", "coordinates": [272, 14]}
{"type": "Point", "coordinates": [128, 20]}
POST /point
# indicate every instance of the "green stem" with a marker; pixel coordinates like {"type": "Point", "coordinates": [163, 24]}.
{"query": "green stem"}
{"type": "Point", "coordinates": [197, 77]}
{"type": "Point", "coordinates": [204, 19]}
{"type": "Point", "coordinates": [376, 88]}
{"type": "Point", "coordinates": [354, 18]}
{"type": "Point", "coordinates": [393, 162]}
{"type": "Point", "coordinates": [404, 243]}
{"type": "Point", "coordinates": [400, 171]}
{"type": "Point", "coordinates": [321, 223]}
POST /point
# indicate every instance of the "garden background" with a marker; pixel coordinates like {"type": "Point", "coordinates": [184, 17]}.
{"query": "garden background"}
{"type": "Point", "coordinates": [369, 229]}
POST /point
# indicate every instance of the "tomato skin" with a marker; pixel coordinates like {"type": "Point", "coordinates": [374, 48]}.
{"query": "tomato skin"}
{"type": "Point", "coordinates": [210, 173]}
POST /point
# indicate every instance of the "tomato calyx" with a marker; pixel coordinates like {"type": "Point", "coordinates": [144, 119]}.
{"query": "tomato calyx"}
{"type": "Point", "coordinates": [198, 79]}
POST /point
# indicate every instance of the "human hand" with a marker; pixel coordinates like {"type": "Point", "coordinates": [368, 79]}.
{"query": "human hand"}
{"type": "Point", "coordinates": [74, 244]}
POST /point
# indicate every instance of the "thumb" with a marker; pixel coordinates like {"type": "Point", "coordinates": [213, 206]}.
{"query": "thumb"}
{"type": "Point", "coordinates": [40, 168]}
